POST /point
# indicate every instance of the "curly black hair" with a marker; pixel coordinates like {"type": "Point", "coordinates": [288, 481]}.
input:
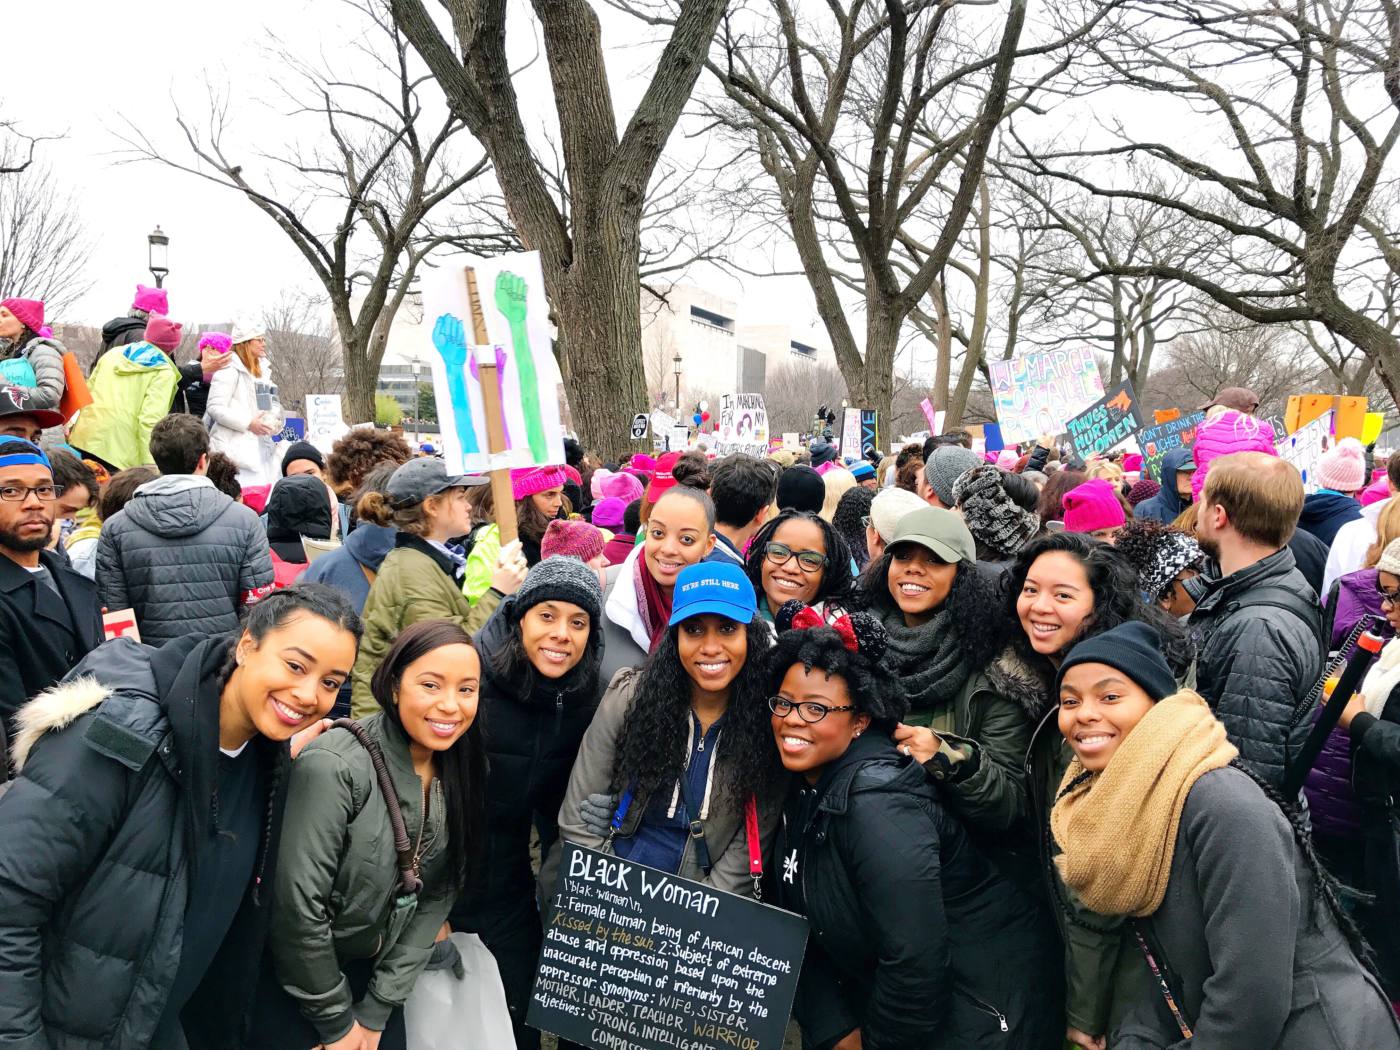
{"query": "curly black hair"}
{"type": "Point", "coordinates": [837, 582]}
{"type": "Point", "coordinates": [854, 505]}
{"type": "Point", "coordinates": [1117, 599]}
{"type": "Point", "coordinates": [974, 600]}
{"type": "Point", "coordinates": [651, 746]}
{"type": "Point", "coordinates": [873, 687]}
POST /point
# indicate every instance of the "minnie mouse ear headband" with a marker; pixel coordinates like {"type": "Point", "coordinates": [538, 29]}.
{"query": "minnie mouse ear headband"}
{"type": "Point", "coordinates": [859, 632]}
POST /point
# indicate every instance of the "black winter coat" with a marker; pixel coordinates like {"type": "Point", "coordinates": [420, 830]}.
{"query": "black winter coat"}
{"type": "Point", "coordinates": [42, 634]}
{"type": "Point", "coordinates": [1375, 778]}
{"type": "Point", "coordinates": [1259, 635]}
{"type": "Point", "coordinates": [915, 939]}
{"type": "Point", "coordinates": [116, 774]}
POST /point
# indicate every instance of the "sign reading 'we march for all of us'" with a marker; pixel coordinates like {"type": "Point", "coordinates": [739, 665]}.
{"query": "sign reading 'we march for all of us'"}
{"type": "Point", "coordinates": [636, 959]}
{"type": "Point", "coordinates": [1036, 393]}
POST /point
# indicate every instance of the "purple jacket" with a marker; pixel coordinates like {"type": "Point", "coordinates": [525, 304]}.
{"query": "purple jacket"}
{"type": "Point", "coordinates": [1329, 786]}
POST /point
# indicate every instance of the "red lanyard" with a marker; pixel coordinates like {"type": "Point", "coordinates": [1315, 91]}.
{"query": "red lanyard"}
{"type": "Point", "coordinates": [755, 848]}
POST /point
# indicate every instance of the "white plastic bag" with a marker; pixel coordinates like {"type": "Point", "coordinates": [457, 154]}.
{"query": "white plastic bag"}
{"type": "Point", "coordinates": [444, 1013]}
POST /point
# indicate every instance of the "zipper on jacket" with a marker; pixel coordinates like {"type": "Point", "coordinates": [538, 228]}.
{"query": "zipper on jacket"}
{"type": "Point", "coordinates": [987, 1008]}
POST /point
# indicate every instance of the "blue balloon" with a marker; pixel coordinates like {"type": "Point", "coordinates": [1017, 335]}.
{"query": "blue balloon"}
{"type": "Point", "coordinates": [695, 419]}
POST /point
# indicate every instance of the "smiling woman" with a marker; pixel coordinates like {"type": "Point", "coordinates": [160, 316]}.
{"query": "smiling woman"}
{"type": "Point", "coordinates": [798, 556]}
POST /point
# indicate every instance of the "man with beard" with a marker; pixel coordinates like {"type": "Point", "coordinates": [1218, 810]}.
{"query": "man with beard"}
{"type": "Point", "coordinates": [49, 615]}
{"type": "Point", "coordinates": [1257, 622]}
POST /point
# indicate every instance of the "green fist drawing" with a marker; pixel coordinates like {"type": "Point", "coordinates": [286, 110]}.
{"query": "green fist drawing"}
{"type": "Point", "coordinates": [511, 299]}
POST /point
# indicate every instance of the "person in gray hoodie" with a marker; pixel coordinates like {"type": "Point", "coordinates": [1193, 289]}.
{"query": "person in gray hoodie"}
{"type": "Point", "coordinates": [182, 555]}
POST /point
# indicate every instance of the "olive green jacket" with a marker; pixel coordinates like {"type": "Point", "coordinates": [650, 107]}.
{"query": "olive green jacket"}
{"type": "Point", "coordinates": [337, 885]}
{"type": "Point", "coordinates": [414, 583]}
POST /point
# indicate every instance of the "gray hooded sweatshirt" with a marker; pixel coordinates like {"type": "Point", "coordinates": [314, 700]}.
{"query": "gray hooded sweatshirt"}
{"type": "Point", "coordinates": [182, 555]}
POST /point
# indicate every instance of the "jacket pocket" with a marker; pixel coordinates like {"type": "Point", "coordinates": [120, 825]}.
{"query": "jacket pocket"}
{"type": "Point", "coordinates": [400, 915]}
{"type": "Point", "coordinates": [982, 1006]}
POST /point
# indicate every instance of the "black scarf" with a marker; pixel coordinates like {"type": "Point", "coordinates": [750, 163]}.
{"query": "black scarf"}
{"type": "Point", "coordinates": [930, 660]}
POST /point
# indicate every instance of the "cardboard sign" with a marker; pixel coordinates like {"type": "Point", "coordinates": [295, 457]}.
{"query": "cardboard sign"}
{"type": "Point", "coordinates": [1348, 419]}
{"type": "Point", "coordinates": [1107, 423]}
{"type": "Point", "coordinates": [120, 624]}
{"type": "Point", "coordinates": [1038, 393]}
{"type": "Point", "coordinates": [743, 425]}
{"type": "Point", "coordinates": [636, 959]}
{"type": "Point", "coordinates": [1155, 442]}
{"type": "Point", "coordinates": [1305, 446]}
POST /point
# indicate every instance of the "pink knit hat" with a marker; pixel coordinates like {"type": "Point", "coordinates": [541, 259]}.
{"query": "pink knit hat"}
{"type": "Point", "coordinates": [595, 483]}
{"type": "Point", "coordinates": [1092, 506]}
{"type": "Point", "coordinates": [1342, 468]}
{"type": "Point", "coordinates": [163, 332]}
{"type": "Point", "coordinates": [575, 539]}
{"type": "Point", "coordinates": [573, 475]}
{"type": "Point", "coordinates": [641, 461]}
{"type": "Point", "coordinates": [220, 341]}
{"type": "Point", "coordinates": [1006, 458]}
{"type": "Point", "coordinates": [29, 311]}
{"type": "Point", "coordinates": [625, 487]}
{"type": "Point", "coordinates": [152, 300]}
{"type": "Point", "coordinates": [608, 513]}
{"type": "Point", "coordinates": [526, 481]}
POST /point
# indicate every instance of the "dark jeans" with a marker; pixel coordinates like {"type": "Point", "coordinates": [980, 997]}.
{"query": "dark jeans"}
{"type": "Point", "coordinates": [279, 1025]}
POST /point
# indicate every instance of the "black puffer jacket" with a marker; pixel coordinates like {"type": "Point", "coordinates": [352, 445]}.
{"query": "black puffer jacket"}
{"type": "Point", "coordinates": [116, 773]}
{"type": "Point", "coordinates": [915, 939]}
{"type": "Point", "coordinates": [1259, 635]}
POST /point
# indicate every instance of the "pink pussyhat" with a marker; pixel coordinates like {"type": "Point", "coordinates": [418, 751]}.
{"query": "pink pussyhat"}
{"type": "Point", "coordinates": [1092, 506]}
{"type": "Point", "coordinates": [29, 311]}
{"type": "Point", "coordinates": [152, 300]}
{"type": "Point", "coordinates": [163, 332]}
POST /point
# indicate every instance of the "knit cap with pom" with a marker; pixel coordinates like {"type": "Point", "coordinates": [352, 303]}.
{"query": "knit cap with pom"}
{"type": "Point", "coordinates": [1143, 489]}
{"type": "Point", "coordinates": [1342, 468]}
{"type": "Point", "coordinates": [574, 539]}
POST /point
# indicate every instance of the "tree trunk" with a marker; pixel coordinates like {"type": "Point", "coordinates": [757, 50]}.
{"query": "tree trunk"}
{"type": "Point", "coordinates": [361, 378]}
{"type": "Point", "coordinates": [944, 369]}
{"type": "Point", "coordinates": [877, 377]}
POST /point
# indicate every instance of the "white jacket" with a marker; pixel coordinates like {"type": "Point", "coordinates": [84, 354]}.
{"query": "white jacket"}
{"type": "Point", "coordinates": [232, 407]}
{"type": "Point", "coordinates": [1349, 546]}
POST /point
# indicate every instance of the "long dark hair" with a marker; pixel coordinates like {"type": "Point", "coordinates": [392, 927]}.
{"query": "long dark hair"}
{"type": "Point", "coordinates": [462, 767]}
{"type": "Point", "coordinates": [837, 581]}
{"type": "Point", "coordinates": [651, 747]}
{"type": "Point", "coordinates": [1114, 584]}
{"type": "Point", "coordinates": [874, 688]}
{"type": "Point", "coordinates": [974, 602]}
{"type": "Point", "coordinates": [510, 664]}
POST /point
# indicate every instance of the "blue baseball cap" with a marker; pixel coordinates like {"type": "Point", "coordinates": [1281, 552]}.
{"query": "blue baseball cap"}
{"type": "Point", "coordinates": [718, 587]}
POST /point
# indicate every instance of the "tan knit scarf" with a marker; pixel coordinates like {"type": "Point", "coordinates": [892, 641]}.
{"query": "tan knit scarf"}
{"type": "Point", "coordinates": [1118, 828]}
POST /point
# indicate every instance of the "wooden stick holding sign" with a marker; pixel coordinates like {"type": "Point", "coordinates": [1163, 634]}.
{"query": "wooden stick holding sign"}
{"type": "Point", "coordinates": [502, 495]}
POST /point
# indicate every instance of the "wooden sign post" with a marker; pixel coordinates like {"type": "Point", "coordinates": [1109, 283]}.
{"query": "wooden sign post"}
{"type": "Point", "coordinates": [502, 495]}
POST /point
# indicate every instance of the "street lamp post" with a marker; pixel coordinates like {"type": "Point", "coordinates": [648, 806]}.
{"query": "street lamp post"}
{"type": "Point", "coordinates": [158, 255]}
{"type": "Point", "coordinates": [677, 361]}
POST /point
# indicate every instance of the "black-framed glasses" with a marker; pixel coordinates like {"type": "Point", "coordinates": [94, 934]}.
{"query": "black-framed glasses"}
{"type": "Point", "coordinates": [20, 493]}
{"type": "Point", "coordinates": [1388, 597]}
{"type": "Point", "coordinates": [781, 554]}
{"type": "Point", "coordinates": [809, 711]}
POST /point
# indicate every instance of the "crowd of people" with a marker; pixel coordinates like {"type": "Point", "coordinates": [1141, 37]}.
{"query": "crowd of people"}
{"type": "Point", "coordinates": [1012, 731]}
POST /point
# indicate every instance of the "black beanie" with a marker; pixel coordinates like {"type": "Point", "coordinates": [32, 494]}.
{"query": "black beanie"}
{"type": "Point", "coordinates": [302, 450]}
{"type": "Point", "coordinates": [801, 488]}
{"type": "Point", "coordinates": [1133, 648]}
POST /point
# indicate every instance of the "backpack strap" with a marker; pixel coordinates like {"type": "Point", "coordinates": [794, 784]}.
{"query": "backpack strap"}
{"type": "Point", "coordinates": [409, 882]}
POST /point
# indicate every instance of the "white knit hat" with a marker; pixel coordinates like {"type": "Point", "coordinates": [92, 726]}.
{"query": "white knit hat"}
{"type": "Point", "coordinates": [247, 328]}
{"type": "Point", "coordinates": [889, 506]}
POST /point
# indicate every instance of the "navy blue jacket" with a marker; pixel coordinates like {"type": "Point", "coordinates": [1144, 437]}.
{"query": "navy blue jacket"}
{"type": "Point", "coordinates": [1325, 512]}
{"type": "Point", "coordinates": [1166, 505]}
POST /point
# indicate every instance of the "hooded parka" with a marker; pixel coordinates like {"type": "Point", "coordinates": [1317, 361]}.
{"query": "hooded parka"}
{"type": "Point", "coordinates": [132, 388]}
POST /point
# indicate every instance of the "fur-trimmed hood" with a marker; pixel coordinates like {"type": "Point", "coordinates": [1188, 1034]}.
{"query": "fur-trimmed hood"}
{"type": "Point", "coordinates": [1012, 675]}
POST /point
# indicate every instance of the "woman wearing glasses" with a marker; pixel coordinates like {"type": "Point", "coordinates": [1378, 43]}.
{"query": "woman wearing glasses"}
{"type": "Point", "coordinates": [677, 770]}
{"type": "Point", "coordinates": [799, 557]}
{"type": "Point", "coordinates": [916, 940]}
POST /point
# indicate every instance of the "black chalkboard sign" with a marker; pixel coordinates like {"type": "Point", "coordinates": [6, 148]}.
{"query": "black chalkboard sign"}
{"type": "Point", "coordinates": [636, 959]}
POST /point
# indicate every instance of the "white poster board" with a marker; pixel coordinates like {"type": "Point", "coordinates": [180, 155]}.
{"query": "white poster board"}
{"type": "Point", "coordinates": [743, 425]}
{"type": "Point", "coordinates": [850, 432]}
{"type": "Point", "coordinates": [324, 422]}
{"type": "Point", "coordinates": [511, 288]}
{"type": "Point", "coordinates": [1305, 446]}
{"type": "Point", "coordinates": [1038, 392]}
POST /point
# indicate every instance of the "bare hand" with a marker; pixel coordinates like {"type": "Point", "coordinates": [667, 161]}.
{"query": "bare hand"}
{"type": "Point", "coordinates": [372, 1039]}
{"type": "Point", "coordinates": [1085, 1040]}
{"type": "Point", "coordinates": [310, 733]}
{"type": "Point", "coordinates": [261, 428]}
{"type": "Point", "coordinates": [1355, 706]}
{"type": "Point", "coordinates": [508, 578]}
{"type": "Point", "coordinates": [211, 361]}
{"type": "Point", "coordinates": [920, 742]}
{"type": "Point", "coordinates": [355, 1039]}
{"type": "Point", "coordinates": [851, 1041]}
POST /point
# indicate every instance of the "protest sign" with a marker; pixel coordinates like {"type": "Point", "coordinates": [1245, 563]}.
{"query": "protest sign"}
{"type": "Point", "coordinates": [935, 419]}
{"type": "Point", "coordinates": [869, 433]}
{"type": "Point", "coordinates": [791, 439]}
{"type": "Point", "coordinates": [679, 438]}
{"type": "Point", "coordinates": [515, 319]}
{"type": "Point", "coordinates": [1107, 423]}
{"type": "Point", "coordinates": [639, 426]}
{"type": "Point", "coordinates": [743, 425]}
{"type": "Point", "coordinates": [850, 432]}
{"type": "Point", "coordinates": [324, 423]}
{"type": "Point", "coordinates": [636, 959]}
{"type": "Point", "coordinates": [120, 623]}
{"type": "Point", "coordinates": [1305, 446]}
{"type": "Point", "coordinates": [293, 429]}
{"type": "Point", "coordinates": [1036, 393]}
{"type": "Point", "coordinates": [1156, 441]}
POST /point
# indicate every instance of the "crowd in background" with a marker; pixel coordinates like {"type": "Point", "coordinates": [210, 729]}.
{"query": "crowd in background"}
{"type": "Point", "coordinates": [1012, 731]}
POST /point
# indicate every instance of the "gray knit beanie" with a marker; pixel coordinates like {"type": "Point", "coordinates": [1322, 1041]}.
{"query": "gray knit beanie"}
{"type": "Point", "coordinates": [993, 518]}
{"type": "Point", "coordinates": [560, 578]}
{"type": "Point", "coordinates": [945, 466]}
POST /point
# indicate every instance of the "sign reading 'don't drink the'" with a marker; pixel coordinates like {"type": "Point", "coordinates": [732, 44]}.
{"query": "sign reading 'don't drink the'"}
{"type": "Point", "coordinates": [636, 959]}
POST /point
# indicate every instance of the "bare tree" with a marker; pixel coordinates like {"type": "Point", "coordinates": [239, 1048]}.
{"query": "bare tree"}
{"type": "Point", "coordinates": [1290, 91]}
{"type": "Point", "coordinates": [588, 232]}
{"type": "Point", "coordinates": [305, 358]}
{"type": "Point", "coordinates": [794, 390]}
{"type": "Point", "coordinates": [376, 170]}
{"type": "Point", "coordinates": [44, 246]}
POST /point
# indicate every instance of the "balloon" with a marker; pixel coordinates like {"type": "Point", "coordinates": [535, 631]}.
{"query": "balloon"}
{"type": "Point", "coordinates": [704, 406]}
{"type": "Point", "coordinates": [697, 419]}
{"type": "Point", "coordinates": [704, 417]}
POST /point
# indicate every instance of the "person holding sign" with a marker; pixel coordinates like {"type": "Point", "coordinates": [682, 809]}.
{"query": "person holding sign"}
{"type": "Point", "coordinates": [678, 770]}
{"type": "Point", "coordinates": [917, 942]}
{"type": "Point", "coordinates": [383, 819]}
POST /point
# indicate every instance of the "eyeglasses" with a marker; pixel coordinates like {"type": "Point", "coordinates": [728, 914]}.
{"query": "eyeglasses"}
{"type": "Point", "coordinates": [809, 710]}
{"type": "Point", "coordinates": [865, 521]}
{"type": "Point", "coordinates": [1388, 597]}
{"type": "Point", "coordinates": [781, 554]}
{"type": "Point", "coordinates": [20, 493]}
